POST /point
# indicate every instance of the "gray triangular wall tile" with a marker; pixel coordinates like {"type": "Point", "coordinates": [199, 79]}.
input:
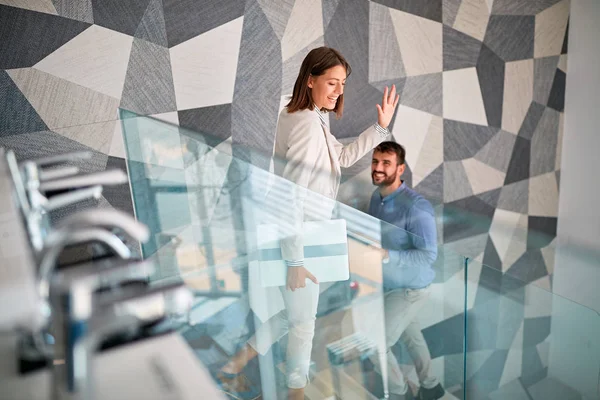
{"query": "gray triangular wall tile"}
{"type": "Point", "coordinates": [462, 140]}
{"type": "Point", "coordinates": [329, 7]}
{"type": "Point", "coordinates": [498, 150]}
{"type": "Point", "coordinates": [152, 26]}
{"type": "Point", "coordinates": [475, 360]}
{"type": "Point", "coordinates": [449, 11]}
{"type": "Point", "coordinates": [565, 46]}
{"type": "Point", "coordinates": [278, 14]}
{"type": "Point", "coordinates": [214, 123]}
{"type": "Point", "coordinates": [456, 182]}
{"type": "Point", "coordinates": [44, 33]}
{"type": "Point", "coordinates": [511, 37]}
{"type": "Point", "coordinates": [490, 256]}
{"type": "Point", "coordinates": [17, 115]}
{"type": "Point", "coordinates": [256, 100]}
{"type": "Point", "coordinates": [40, 6]}
{"type": "Point", "coordinates": [511, 312]}
{"type": "Point", "coordinates": [120, 16]}
{"type": "Point", "coordinates": [512, 390]}
{"type": "Point", "coordinates": [80, 10]}
{"type": "Point", "coordinates": [542, 230]}
{"type": "Point", "coordinates": [430, 9]}
{"type": "Point", "coordinates": [432, 186]}
{"type": "Point", "coordinates": [346, 33]}
{"type": "Point", "coordinates": [491, 197]}
{"type": "Point", "coordinates": [490, 286]}
{"type": "Point", "coordinates": [385, 60]}
{"type": "Point", "coordinates": [467, 217]}
{"type": "Point", "coordinates": [186, 19]}
{"type": "Point", "coordinates": [97, 136]}
{"type": "Point", "coordinates": [460, 50]}
{"type": "Point", "coordinates": [70, 104]}
{"type": "Point", "coordinates": [556, 99]}
{"type": "Point", "coordinates": [550, 388]}
{"type": "Point", "coordinates": [515, 197]}
{"type": "Point", "coordinates": [423, 92]}
{"type": "Point", "coordinates": [530, 267]}
{"type": "Point", "coordinates": [533, 370]}
{"type": "Point", "coordinates": [544, 143]}
{"type": "Point", "coordinates": [381, 85]}
{"type": "Point", "coordinates": [47, 143]}
{"type": "Point", "coordinates": [118, 196]}
{"type": "Point", "coordinates": [544, 70]}
{"type": "Point", "coordinates": [531, 120]}
{"type": "Point", "coordinates": [535, 330]}
{"type": "Point", "coordinates": [518, 169]}
{"type": "Point", "coordinates": [465, 246]}
{"type": "Point", "coordinates": [149, 80]}
{"type": "Point", "coordinates": [487, 379]}
{"type": "Point", "coordinates": [511, 7]}
{"type": "Point", "coordinates": [490, 72]}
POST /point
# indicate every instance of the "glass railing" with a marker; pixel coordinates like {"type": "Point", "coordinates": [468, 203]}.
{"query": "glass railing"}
{"type": "Point", "coordinates": [202, 204]}
{"type": "Point", "coordinates": [526, 342]}
{"type": "Point", "coordinates": [489, 334]}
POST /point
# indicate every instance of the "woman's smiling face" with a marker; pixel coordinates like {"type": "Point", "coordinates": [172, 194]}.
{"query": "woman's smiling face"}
{"type": "Point", "coordinates": [326, 88]}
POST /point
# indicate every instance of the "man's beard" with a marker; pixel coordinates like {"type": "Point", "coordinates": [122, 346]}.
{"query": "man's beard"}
{"type": "Point", "coordinates": [388, 180]}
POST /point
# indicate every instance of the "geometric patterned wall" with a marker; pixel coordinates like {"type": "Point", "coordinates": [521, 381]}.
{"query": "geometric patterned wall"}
{"type": "Point", "coordinates": [481, 82]}
{"type": "Point", "coordinates": [481, 86]}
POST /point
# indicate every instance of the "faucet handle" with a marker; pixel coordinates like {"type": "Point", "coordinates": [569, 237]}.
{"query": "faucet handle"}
{"type": "Point", "coordinates": [93, 275]}
{"type": "Point", "coordinates": [108, 178]}
{"type": "Point", "coordinates": [147, 303]}
{"type": "Point", "coordinates": [69, 198]}
{"type": "Point", "coordinates": [63, 158]}
{"type": "Point", "coordinates": [109, 219]}
{"type": "Point", "coordinates": [57, 173]}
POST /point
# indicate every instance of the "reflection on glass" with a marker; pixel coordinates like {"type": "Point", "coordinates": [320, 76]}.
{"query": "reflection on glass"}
{"type": "Point", "coordinates": [203, 204]}
{"type": "Point", "coordinates": [523, 340]}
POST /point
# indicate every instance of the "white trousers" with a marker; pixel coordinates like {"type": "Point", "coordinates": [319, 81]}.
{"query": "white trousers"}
{"type": "Point", "coordinates": [298, 319]}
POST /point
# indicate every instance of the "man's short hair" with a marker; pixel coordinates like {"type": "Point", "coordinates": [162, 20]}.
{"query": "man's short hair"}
{"type": "Point", "coordinates": [393, 148]}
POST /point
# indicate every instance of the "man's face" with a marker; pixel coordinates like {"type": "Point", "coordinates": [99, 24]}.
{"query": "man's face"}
{"type": "Point", "coordinates": [385, 170]}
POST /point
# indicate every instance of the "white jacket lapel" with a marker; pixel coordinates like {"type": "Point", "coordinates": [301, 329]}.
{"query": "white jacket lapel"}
{"type": "Point", "coordinates": [333, 155]}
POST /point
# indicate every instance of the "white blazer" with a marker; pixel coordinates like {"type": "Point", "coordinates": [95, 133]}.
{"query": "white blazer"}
{"type": "Point", "coordinates": [307, 154]}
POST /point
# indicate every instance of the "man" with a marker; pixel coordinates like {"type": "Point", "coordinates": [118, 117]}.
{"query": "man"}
{"type": "Point", "coordinates": [410, 239]}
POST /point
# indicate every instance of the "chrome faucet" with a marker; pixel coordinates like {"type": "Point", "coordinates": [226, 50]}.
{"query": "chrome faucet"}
{"type": "Point", "coordinates": [82, 318]}
{"type": "Point", "coordinates": [71, 298]}
{"type": "Point", "coordinates": [59, 239]}
{"type": "Point", "coordinates": [83, 227]}
{"type": "Point", "coordinates": [37, 182]}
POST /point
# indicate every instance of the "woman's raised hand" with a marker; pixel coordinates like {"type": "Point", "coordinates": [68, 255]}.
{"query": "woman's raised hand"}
{"type": "Point", "coordinates": [386, 110]}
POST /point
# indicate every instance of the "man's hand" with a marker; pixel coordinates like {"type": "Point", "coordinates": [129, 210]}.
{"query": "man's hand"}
{"type": "Point", "coordinates": [296, 278]}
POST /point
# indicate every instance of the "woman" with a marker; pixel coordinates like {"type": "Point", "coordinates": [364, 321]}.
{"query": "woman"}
{"type": "Point", "coordinates": [312, 160]}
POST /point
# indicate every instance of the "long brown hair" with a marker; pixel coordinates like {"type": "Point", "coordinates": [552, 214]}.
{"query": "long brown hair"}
{"type": "Point", "coordinates": [316, 62]}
